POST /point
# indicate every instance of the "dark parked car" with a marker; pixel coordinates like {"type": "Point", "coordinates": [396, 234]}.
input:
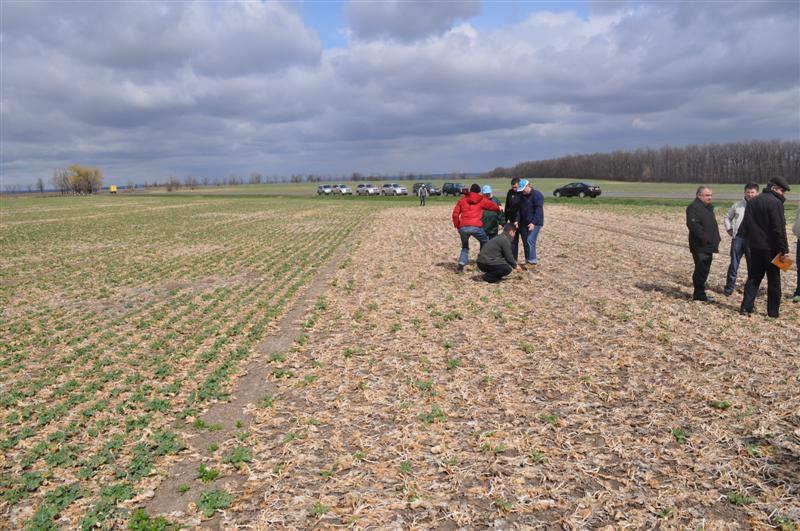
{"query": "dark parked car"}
{"type": "Point", "coordinates": [580, 189]}
{"type": "Point", "coordinates": [453, 188]}
{"type": "Point", "coordinates": [432, 190]}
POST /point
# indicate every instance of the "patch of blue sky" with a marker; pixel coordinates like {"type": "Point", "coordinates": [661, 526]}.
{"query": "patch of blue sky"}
{"type": "Point", "coordinates": [327, 17]}
{"type": "Point", "coordinates": [498, 14]}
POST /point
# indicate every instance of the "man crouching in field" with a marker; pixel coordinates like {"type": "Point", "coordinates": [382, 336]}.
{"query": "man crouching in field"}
{"type": "Point", "coordinates": [496, 258]}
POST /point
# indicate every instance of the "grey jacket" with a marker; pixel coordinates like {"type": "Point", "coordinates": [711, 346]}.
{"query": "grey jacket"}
{"type": "Point", "coordinates": [733, 217]}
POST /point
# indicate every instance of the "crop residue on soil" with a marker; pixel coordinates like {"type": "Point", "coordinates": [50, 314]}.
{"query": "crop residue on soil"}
{"type": "Point", "coordinates": [589, 392]}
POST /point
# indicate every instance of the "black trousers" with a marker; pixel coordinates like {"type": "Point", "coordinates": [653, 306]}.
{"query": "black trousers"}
{"type": "Point", "coordinates": [761, 264]}
{"type": "Point", "coordinates": [702, 266]}
{"type": "Point", "coordinates": [493, 273]}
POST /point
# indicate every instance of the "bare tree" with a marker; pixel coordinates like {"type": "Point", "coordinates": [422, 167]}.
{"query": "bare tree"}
{"type": "Point", "coordinates": [60, 180]}
{"type": "Point", "coordinates": [173, 183]}
{"type": "Point", "coordinates": [40, 185]}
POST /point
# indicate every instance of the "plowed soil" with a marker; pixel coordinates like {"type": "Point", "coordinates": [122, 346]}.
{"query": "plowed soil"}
{"type": "Point", "coordinates": [588, 392]}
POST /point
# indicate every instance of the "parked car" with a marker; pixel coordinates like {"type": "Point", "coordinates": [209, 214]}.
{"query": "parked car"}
{"type": "Point", "coordinates": [393, 189]}
{"type": "Point", "coordinates": [453, 189]}
{"type": "Point", "coordinates": [367, 189]}
{"type": "Point", "coordinates": [324, 189]}
{"type": "Point", "coordinates": [580, 189]}
{"type": "Point", "coordinates": [432, 190]}
{"type": "Point", "coordinates": [342, 189]}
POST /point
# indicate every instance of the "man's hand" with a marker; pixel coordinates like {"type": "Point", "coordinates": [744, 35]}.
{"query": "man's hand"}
{"type": "Point", "coordinates": [530, 227]}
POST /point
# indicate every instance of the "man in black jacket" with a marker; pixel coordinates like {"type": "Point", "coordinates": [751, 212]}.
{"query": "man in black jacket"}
{"type": "Point", "coordinates": [764, 226]}
{"type": "Point", "coordinates": [703, 239]}
{"type": "Point", "coordinates": [513, 200]}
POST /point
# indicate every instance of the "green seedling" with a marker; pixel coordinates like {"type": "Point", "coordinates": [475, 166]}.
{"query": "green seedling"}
{"type": "Point", "coordinates": [206, 474]}
{"type": "Point", "coordinates": [680, 435]}
{"type": "Point", "coordinates": [405, 467]}
{"type": "Point", "coordinates": [720, 404]}
{"type": "Point", "coordinates": [738, 498]}
{"type": "Point", "coordinates": [213, 500]}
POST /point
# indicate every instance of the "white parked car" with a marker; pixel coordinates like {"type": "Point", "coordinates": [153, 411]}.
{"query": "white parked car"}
{"type": "Point", "coordinates": [342, 189]}
{"type": "Point", "coordinates": [367, 189]}
{"type": "Point", "coordinates": [325, 189]}
{"type": "Point", "coordinates": [393, 189]}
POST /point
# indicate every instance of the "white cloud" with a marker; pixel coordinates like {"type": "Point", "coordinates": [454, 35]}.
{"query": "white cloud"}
{"type": "Point", "coordinates": [238, 87]}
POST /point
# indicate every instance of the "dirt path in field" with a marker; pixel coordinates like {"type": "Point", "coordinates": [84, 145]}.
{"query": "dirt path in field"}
{"type": "Point", "coordinates": [588, 392]}
{"type": "Point", "coordinates": [235, 416]}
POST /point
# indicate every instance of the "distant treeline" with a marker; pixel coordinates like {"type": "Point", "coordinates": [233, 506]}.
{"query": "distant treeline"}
{"type": "Point", "coordinates": [738, 162]}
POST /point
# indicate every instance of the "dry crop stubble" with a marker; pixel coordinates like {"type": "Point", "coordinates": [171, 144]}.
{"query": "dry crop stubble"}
{"type": "Point", "coordinates": [588, 392]}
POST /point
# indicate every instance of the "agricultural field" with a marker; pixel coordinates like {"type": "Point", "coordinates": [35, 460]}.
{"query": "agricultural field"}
{"type": "Point", "coordinates": [124, 317]}
{"type": "Point", "coordinates": [140, 382]}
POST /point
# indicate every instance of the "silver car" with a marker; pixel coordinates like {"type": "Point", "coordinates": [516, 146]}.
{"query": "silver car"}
{"type": "Point", "coordinates": [342, 189]}
{"type": "Point", "coordinates": [324, 190]}
{"type": "Point", "coordinates": [393, 189]}
{"type": "Point", "coordinates": [367, 189]}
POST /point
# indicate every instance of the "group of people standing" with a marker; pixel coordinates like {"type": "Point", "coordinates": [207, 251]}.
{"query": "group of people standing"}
{"type": "Point", "coordinates": [480, 215]}
{"type": "Point", "coordinates": [757, 227]}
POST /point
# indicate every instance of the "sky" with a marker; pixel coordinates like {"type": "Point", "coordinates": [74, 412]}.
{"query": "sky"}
{"type": "Point", "coordinates": [146, 90]}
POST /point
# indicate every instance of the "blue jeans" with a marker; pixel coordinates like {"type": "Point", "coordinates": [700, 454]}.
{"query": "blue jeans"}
{"type": "Point", "coordinates": [738, 249]}
{"type": "Point", "coordinates": [529, 241]}
{"type": "Point", "coordinates": [465, 233]}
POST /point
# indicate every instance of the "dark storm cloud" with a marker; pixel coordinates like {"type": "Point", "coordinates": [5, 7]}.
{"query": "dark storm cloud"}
{"type": "Point", "coordinates": [407, 20]}
{"type": "Point", "coordinates": [148, 90]}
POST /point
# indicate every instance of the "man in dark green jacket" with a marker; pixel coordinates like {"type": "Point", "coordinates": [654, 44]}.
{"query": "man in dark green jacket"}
{"type": "Point", "coordinates": [496, 258]}
{"type": "Point", "coordinates": [492, 221]}
{"type": "Point", "coordinates": [703, 239]}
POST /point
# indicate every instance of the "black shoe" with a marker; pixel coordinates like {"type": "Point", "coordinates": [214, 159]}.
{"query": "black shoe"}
{"type": "Point", "coordinates": [460, 268]}
{"type": "Point", "coordinates": [727, 292]}
{"type": "Point", "coordinates": [700, 297]}
{"type": "Point", "coordinates": [745, 313]}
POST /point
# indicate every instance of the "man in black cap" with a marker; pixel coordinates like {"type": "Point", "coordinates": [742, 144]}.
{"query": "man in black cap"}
{"type": "Point", "coordinates": [703, 239]}
{"type": "Point", "coordinates": [764, 226]}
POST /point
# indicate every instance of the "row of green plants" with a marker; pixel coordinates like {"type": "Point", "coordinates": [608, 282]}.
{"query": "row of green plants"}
{"type": "Point", "coordinates": [127, 321]}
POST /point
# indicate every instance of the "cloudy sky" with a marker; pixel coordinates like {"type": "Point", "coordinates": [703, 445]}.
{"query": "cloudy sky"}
{"type": "Point", "coordinates": [148, 90]}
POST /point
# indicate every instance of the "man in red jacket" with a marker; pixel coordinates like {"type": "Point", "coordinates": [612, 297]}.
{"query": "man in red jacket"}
{"type": "Point", "coordinates": [467, 220]}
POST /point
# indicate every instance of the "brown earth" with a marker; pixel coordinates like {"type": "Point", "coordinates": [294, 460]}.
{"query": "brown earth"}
{"type": "Point", "coordinates": [589, 392]}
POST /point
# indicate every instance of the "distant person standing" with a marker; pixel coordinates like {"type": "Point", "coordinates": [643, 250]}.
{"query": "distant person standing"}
{"type": "Point", "coordinates": [703, 239]}
{"type": "Point", "coordinates": [511, 208]}
{"type": "Point", "coordinates": [495, 259]}
{"type": "Point", "coordinates": [422, 193]}
{"type": "Point", "coordinates": [732, 220]}
{"type": "Point", "coordinates": [467, 216]}
{"type": "Point", "coordinates": [492, 221]}
{"type": "Point", "coordinates": [764, 226]}
{"type": "Point", "coordinates": [796, 230]}
{"type": "Point", "coordinates": [530, 219]}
